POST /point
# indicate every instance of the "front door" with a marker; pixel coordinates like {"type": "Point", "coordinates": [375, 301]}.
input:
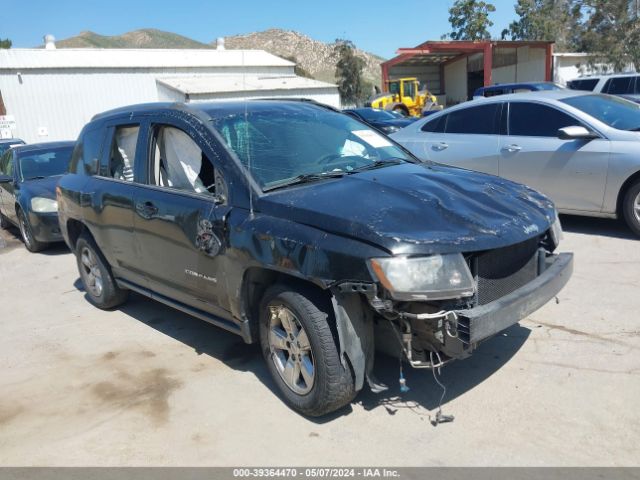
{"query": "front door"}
{"type": "Point", "coordinates": [570, 172]}
{"type": "Point", "coordinates": [179, 219]}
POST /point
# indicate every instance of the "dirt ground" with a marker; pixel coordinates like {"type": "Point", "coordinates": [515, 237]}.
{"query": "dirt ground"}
{"type": "Point", "coordinates": [147, 385]}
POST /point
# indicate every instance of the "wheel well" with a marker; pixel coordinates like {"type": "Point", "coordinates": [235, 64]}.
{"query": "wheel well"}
{"type": "Point", "coordinates": [74, 230]}
{"type": "Point", "coordinates": [623, 191]}
{"type": "Point", "coordinates": [255, 283]}
{"type": "Point", "coordinates": [400, 106]}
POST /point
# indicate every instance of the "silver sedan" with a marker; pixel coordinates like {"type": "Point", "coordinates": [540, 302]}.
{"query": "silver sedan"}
{"type": "Point", "coordinates": [579, 148]}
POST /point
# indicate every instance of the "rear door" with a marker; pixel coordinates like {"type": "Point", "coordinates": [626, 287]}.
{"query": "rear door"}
{"type": "Point", "coordinates": [107, 198]}
{"type": "Point", "coordinates": [467, 138]}
{"type": "Point", "coordinates": [571, 172]}
{"type": "Point", "coordinates": [180, 215]}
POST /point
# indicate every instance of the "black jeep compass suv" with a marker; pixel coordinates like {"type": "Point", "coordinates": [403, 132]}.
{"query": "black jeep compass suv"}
{"type": "Point", "coordinates": [301, 228]}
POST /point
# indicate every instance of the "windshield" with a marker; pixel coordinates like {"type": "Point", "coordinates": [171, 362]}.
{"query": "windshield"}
{"type": "Point", "coordinates": [4, 146]}
{"type": "Point", "coordinates": [373, 115]}
{"type": "Point", "coordinates": [44, 163]}
{"type": "Point", "coordinates": [613, 111]}
{"type": "Point", "coordinates": [282, 142]}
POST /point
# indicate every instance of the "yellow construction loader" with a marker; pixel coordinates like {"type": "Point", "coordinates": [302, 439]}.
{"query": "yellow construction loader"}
{"type": "Point", "coordinates": [403, 96]}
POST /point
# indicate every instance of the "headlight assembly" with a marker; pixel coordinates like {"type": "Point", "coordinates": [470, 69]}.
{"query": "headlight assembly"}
{"type": "Point", "coordinates": [43, 205]}
{"type": "Point", "coordinates": [556, 231]}
{"type": "Point", "coordinates": [435, 277]}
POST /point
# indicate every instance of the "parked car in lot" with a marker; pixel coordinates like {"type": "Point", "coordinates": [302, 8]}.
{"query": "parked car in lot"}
{"type": "Point", "coordinates": [626, 85]}
{"type": "Point", "coordinates": [7, 143]}
{"type": "Point", "coordinates": [305, 230]}
{"type": "Point", "coordinates": [28, 177]}
{"type": "Point", "coordinates": [383, 120]}
{"type": "Point", "coordinates": [580, 149]}
{"type": "Point", "coordinates": [506, 88]}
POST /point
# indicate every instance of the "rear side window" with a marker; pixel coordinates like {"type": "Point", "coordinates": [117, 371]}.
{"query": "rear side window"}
{"type": "Point", "coordinates": [620, 85]}
{"type": "Point", "coordinates": [5, 160]}
{"type": "Point", "coordinates": [586, 84]}
{"type": "Point", "coordinates": [123, 152]}
{"type": "Point", "coordinates": [479, 120]}
{"type": "Point", "coordinates": [436, 125]}
{"type": "Point", "coordinates": [536, 120]}
{"type": "Point", "coordinates": [86, 153]}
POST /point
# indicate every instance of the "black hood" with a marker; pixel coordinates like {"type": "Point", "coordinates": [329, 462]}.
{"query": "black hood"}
{"type": "Point", "coordinates": [41, 187]}
{"type": "Point", "coordinates": [418, 209]}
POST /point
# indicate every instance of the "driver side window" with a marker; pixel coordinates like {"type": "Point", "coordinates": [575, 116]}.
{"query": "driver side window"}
{"type": "Point", "coordinates": [178, 162]}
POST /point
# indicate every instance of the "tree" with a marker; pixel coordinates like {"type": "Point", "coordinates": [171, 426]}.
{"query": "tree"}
{"type": "Point", "coordinates": [349, 66]}
{"type": "Point", "coordinates": [5, 43]}
{"type": "Point", "coordinates": [550, 20]}
{"type": "Point", "coordinates": [470, 20]}
{"type": "Point", "coordinates": [612, 32]}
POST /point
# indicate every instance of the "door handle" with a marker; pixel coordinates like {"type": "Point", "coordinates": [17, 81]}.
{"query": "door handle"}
{"type": "Point", "coordinates": [440, 146]}
{"type": "Point", "coordinates": [146, 209]}
{"type": "Point", "coordinates": [512, 148]}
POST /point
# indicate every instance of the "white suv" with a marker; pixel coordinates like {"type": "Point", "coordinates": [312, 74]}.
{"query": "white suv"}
{"type": "Point", "coordinates": [623, 84]}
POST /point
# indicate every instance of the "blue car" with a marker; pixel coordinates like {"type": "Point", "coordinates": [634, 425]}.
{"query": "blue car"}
{"type": "Point", "coordinates": [504, 88]}
{"type": "Point", "coordinates": [7, 143]}
{"type": "Point", "coordinates": [383, 120]}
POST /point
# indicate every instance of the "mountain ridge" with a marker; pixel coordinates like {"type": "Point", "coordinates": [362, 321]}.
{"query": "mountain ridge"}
{"type": "Point", "coordinates": [313, 56]}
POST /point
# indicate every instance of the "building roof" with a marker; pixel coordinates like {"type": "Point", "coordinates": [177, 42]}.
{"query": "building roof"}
{"type": "Point", "coordinates": [38, 58]}
{"type": "Point", "coordinates": [203, 84]}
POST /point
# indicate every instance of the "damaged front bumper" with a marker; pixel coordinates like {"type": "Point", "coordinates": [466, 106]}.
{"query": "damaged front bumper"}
{"type": "Point", "coordinates": [477, 324]}
{"type": "Point", "coordinates": [454, 333]}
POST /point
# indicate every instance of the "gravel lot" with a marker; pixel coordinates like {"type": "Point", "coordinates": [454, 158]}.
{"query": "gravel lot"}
{"type": "Point", "coordinates": [147, 385]}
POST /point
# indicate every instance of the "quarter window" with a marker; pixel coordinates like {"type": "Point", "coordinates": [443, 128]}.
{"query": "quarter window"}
{"type": "Point", "coordinates": [619, 85]}
{"type": "Point", "coordinates": [123, 152]}
{"type": "Point", "coordinates": [178, 162]}
{"type": "Point", "coordinates": [481, 120]}
{"type": "Point", "coordinates": [535, 120]}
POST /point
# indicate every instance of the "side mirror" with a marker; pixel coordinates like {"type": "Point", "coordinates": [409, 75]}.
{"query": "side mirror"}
{"type": "Point", "coordinates": [575, 132]}
{"type": "Point", "coordinates": [6, 179]}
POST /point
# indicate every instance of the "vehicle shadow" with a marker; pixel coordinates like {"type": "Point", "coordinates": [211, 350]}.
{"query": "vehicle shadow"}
{"type": "Point", "coordinates": [13, 238]}
{"type": "Point", "coordinates": [458, 377]}
{"type": "Point", "coordinates": [608, 227]}
{"type": "Point", "coordinates": [424, 394]}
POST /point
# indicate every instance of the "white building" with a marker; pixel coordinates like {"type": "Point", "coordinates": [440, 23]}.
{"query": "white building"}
{"type": "Point", "coordinates": [572, 65]}
{"type": "Point", "coordinates": [51, 93]}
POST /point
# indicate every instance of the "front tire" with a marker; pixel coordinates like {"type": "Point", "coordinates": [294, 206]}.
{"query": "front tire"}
{"type": "Point", "coordinates": [26, 232]}
{"type": "Point", "coordinates": [4, 222]}
{"type": "Point", "coordinates": [631, 208]}
{"type": "Point", "coordinates": [302, 353]}
{"type": "Point", "coordinates": [97, 279]}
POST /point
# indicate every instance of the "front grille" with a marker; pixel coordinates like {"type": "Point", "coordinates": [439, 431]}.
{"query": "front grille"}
{"type": "Point", "coordinates": [503, 270]}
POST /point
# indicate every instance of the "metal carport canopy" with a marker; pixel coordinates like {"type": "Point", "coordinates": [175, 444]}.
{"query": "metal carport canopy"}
{"type": "Point", "coordinates": [443, 52]}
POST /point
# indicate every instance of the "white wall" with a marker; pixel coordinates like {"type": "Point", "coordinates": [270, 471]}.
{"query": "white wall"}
{"type": "Point", "coordinates": [531, 64]}
{"type": "Point", "coordinates": [60, 101]}
{"type": "Point", "coordinates": [569, 67]}
{"type": "Point", "coordinates": [426, 74]}
{"type": "Point", "coordinates": [455, 81]}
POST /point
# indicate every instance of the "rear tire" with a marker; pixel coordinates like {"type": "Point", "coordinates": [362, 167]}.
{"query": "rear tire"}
{"type": "Point", "coordinates": [301, 351]}
{"type": "Point", "coordinates": [631, 208]}
{"type": "Point", "coordinates": [97, 279]}
{"type": "Point", "coordinates": [26, 232]}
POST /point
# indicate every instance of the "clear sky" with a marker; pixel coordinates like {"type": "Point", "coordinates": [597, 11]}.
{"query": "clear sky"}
{"type": "Point", "coordinates": [376, 26]}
